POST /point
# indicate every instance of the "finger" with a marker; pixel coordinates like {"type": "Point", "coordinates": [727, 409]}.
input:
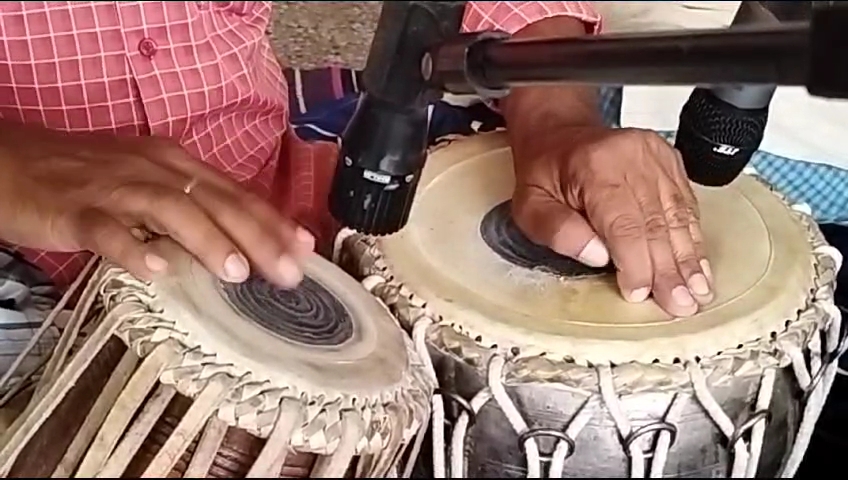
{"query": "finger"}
{"type": "Point", "coordinates": [698, 242]}
{"type": "Point", "coordinates": [546, 221]}
{"type": "Point", "coordinates": [616, 216]}
{"type": "Point", "coordinates": [669, 288]}
{"type": "Point", "coordinates": [185, 222]}
{"type": "Point", "coordinates": [171, 155]}
{"type": "Point", "coordinates": [695, 230]}
{"type": "Point", "coordinates": [221, 186]}
{"type": "Point", "coordinates": [679, 218]}
{"type": "Point", "coordinates": [99, 232]}
{"type": "Point", "coordinates": [273, 245]}
{"type": "Point", "coordinates": [295, 239]}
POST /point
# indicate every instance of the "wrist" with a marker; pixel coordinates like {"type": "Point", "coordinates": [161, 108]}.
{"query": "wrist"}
{"type": "Point", "coordinates": [537, 116]}
{"type": "Point", "coordinates": [559, 138]}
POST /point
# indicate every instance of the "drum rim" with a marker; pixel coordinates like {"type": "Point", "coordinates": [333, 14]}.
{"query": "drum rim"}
{"type": "Point", "coordinates": [456, 336]}
{"type": "Point", "coordinates": [409, 393]}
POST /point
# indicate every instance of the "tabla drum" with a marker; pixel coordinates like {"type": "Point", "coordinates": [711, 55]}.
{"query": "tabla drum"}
{"type": "Point", "coordinates": [187, 376]}
{"type": "Point", "coordinates": [544, 370]}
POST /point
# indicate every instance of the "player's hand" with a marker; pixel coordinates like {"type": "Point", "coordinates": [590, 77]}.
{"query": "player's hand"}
{"type": "Point", "coordinates": [596, 194]}
{"type": "Point", "coordinates": [74, 192]}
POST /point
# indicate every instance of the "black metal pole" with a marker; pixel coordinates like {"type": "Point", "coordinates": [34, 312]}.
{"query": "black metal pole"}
{"type": "Point", "coordinates": [762, 54]}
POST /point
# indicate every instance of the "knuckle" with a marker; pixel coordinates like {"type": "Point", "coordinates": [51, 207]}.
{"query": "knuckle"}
{"type": "Point", "coordinates": [687, 261]}
{"type": "Point", "coordinates": [598, 148]}
{"type": "Point", "coordinates": [606, 195]}
{"type": "Point", "coordinates": [644, 137]}
{"type": "Point", "coordinates": [656, 141]}
{"type": "Point", "coordinates": [655, 226]}
{"type": "Point", "coordinates": [668, 277]}
{"type": "Point", "coordinates": [186, 219]}
{"type": "Point", "coordinates": [253, 202]}
{"type": "Point", "coordinates": [529, 223]}
{"type": "Point", "coordinates": [676, 199]}
{"type": "Point", "coordinates": [248, 216]}
{"type": "Point", "coordinates": [678, 217]}
{"type": "Point", "coordinates": [695, 212]}
{"type": "Point", "coordinates": [698, 244]}
{"type": "Point", "coordinates": [626, 226]}
{"type": "Point", "coordinates": [638, 134]}
{"type": "Point", "coordinates": [121, 191]}
{"type": "Point", "coordinates": [169, 201]}
{"type": "Point", "coordinates": [699, 251]}
{"type": "Point", "coordinates": [653, 139]}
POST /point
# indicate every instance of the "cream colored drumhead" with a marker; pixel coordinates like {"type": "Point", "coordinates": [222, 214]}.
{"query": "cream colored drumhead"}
{"type": "Point", "coordinates": [328, 337]}
{"type": "Point", "coordinates": [760, 256]}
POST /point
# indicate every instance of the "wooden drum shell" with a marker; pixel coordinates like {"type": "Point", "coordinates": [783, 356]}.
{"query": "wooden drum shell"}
{"type": "Point", "coordinates": [238, 450]}
{"type": "Point", "coordinates": [141, 397]}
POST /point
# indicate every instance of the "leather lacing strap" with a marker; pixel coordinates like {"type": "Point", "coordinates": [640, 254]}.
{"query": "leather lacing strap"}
{"type": "Point", "coordinates": [745, 441]}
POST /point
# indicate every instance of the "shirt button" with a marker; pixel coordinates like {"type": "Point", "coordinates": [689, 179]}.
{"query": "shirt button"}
{"type": "Point", "coordinates": [147, 47]}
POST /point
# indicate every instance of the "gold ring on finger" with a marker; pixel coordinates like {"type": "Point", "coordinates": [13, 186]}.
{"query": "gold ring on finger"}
{"type": "Point", "coordinates": [190, 186]}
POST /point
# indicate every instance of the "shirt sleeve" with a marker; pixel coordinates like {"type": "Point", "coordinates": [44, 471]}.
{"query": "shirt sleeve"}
{"type": "Point", "coordinates": [511, 17]}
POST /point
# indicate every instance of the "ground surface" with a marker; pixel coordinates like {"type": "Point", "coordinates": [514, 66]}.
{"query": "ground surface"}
{"type": "Point", "coordinates": [313, 34]}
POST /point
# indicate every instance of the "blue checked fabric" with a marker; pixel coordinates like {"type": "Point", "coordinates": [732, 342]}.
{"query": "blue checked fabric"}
{"type": "Point", "coordinates": [823, 187]}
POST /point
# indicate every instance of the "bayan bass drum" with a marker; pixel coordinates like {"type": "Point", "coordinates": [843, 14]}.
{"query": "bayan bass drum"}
{"type": "Point", "coordinates": [188, 376]}
{"type": "Point", "coordinates": [546, 371]}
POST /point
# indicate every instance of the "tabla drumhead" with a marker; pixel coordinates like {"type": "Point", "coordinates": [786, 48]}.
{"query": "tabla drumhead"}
{"type": "Point", "coordinates": [758, 249]}
{"type": "Point", "coordinates": [326, 337]}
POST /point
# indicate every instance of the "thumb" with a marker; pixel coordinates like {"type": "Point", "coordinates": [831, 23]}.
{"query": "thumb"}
{"type": "Point", "coordinates": [549, 222]}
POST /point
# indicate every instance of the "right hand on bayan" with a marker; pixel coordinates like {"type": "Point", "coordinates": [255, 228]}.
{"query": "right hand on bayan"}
{"type": "Point", "coordinates": [73, 192]}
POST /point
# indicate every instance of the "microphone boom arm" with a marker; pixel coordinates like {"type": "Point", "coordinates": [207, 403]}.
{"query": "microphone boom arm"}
{"type": "Point", "coordinates": [418, 53]}
{"type": "Point", "coordinates": [809, 53]}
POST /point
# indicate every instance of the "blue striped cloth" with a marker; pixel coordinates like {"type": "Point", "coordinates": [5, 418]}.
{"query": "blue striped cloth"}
{"type": "Point", "coordinates": [26, 298]}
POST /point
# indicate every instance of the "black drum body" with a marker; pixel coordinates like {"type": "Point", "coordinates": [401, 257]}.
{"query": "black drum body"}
{"type": "Point", "coordinates": [700, 450]}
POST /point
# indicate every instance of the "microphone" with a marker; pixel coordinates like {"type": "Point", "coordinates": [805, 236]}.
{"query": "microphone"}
{"type": "Point", "coordinates": [721, 127]}
{"type": "Point", "coordinates": [384, 147]}
{"type": "Point", "coordinates": [720, 130]}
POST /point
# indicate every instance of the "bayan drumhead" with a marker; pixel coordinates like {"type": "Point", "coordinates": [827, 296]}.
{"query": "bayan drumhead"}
{"type": "Point", "coordinates": [460, 255]}
{"type": "Point", "coordinates": [328, 337]}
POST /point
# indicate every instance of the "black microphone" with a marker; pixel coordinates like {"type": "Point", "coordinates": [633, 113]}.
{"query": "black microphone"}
{"type": "Point", "coordinates": [384, 147]}
{"type": "Point", "coordinates": [722, 127]}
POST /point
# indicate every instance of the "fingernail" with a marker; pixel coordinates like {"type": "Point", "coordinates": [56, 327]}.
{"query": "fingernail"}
{"type": "Point", "coordinates": [303, 237]}
{"type": "Point", "coordinates": [289, 271]}
{"type": "Point", "coordinates": [705, 267]}
{"type": "Point", "coordinates": [594, 254]}
{"type": "Point", "coordinates": [639, 295]}
{"type": "Point", "coordinates": [236, 268]}
{"type": "Point", "coordinates": [155, 263]}
{"type": "Point", "coordinates": [682, 297]}
{"type": "Point", "coordinates": [698, 284]}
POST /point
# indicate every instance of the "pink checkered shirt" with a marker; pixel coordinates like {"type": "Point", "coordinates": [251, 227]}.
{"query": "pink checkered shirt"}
{"type": "Point", "coordinates": [200, 72]}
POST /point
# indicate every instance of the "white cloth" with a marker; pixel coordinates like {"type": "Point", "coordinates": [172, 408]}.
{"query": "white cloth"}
{"type": "Point", "coordinates": [801, 127]}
